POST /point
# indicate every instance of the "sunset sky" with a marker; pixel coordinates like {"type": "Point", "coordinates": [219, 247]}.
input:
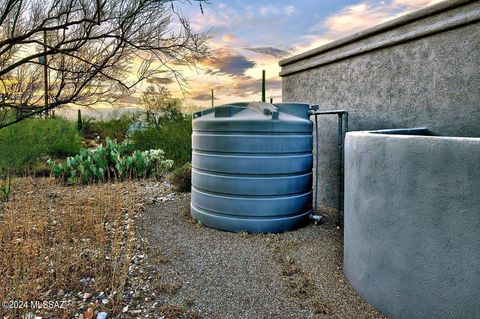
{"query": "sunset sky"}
{"type": "Point", "coordinates": [248, 36]}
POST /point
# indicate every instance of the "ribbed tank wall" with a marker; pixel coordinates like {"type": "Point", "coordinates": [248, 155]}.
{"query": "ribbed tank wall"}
{"type": "Point", "coordinates": [252, 167]}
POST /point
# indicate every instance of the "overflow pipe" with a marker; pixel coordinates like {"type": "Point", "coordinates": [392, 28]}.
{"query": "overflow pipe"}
{"type": "Point", "coordinates": [342, 127]}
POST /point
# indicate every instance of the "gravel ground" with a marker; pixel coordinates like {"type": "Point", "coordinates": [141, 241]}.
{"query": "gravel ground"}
{"type": "Point", "coordinates": [200, 272]}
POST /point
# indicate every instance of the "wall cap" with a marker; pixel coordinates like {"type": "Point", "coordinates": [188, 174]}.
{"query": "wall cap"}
{"type": "Point", "coordinates": [450, 22]}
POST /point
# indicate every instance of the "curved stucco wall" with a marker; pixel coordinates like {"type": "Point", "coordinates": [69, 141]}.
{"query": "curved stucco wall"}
{"type": "Point", "coordinates": [412, 223]}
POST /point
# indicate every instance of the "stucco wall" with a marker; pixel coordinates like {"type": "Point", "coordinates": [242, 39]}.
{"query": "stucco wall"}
{"type": "Point", "coordinates": [412, 220]}
{"type": "Point", "coordinates": [422, 69]}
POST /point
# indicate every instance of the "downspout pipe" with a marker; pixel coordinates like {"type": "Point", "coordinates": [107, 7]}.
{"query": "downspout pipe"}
{"type": "Point", "coordinates": [342, 128]}
{"type": "Point", "coordinates": [316, 216]}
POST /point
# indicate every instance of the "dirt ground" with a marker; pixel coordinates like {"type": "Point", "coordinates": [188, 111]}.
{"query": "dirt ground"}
{"type": "Point", "coordinates": [198, 272]}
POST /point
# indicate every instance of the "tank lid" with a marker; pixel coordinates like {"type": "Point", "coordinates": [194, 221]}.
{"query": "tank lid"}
{"type": "Point", "coordinates": [228, 110]}
{"type": "Point", "coordinates": [254, 117]}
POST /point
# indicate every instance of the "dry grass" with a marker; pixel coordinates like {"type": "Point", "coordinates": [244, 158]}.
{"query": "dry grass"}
{"type": "Point", "coordinates": [175, 312]}
{"type": "Point", "coordinates": [53, 237]}
{"type": "Point", "coordinates": [299, 283]}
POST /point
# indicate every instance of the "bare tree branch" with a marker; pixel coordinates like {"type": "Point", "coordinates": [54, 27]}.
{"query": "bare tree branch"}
{"type": "Point", "coordinates": [93, 49]}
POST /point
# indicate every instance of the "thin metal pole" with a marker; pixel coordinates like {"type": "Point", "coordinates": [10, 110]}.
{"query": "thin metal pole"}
{"type": "Point", "coordinates": [342, 127]}
{"type": "Point", "coordinates": [212, 99]}
{"type": "Point", "coordinates": [316, 165]}
{"type": "Point", "coordinates": [340, 166]}
{"type": "Point", "coordinates": [45, 70]}
{"type": "Point", "coordinates": [343, 158]}
{"type": "Point", "coordinates": [263, 85]}
{"type": "Point", "coordinates": [346, 122]}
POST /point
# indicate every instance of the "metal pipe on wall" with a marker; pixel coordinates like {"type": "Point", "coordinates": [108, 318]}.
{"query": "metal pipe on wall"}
{"type": "Point", "coordinates": [342, 127]}
{"type": "Point", "coordinates": [339, 166]}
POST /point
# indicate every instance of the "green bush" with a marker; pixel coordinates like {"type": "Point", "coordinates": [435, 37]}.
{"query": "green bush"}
{"type": "Point", "coordinates": [174, 137]}
{"type": "Point", "coordinates": [24, 144]}
{"type": "Point", "coordinates": [114, 128]}
{"type": "Point", "coordinates": [112, 162]}
{"type": "Point", "coordinates": [181, 178]}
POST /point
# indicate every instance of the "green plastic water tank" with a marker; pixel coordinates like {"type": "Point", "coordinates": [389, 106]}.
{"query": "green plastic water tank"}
{"type": "Point", "coordinates": [252, 167]}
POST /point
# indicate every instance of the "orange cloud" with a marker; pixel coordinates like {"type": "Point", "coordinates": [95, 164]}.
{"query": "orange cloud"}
{"type": "Point", "coordinates": [229, 37]}
{"type": "Point", "coordinates": [415, 3]}
{"type": "Point", "coordinates": [357, 17]}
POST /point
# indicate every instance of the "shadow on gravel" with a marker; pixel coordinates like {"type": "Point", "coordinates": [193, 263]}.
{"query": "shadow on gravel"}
{"type": "Point", "coordinates": [198, 272]}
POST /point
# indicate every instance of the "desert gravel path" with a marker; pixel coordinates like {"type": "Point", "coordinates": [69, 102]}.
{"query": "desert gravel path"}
{"type": "Point", "coordinates": [214, 274]}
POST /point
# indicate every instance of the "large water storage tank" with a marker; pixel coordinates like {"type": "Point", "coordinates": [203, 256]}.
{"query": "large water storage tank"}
{"type": "Point", "coordinates": [252, 167]}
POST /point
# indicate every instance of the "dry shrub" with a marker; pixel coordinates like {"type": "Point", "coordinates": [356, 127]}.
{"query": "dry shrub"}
{"type": "Point", "coordinates": [170, 311]}
{"type": "Point", "coordinates": [53, 237]}
{"type": "Point", "coordinates": [181, 178]}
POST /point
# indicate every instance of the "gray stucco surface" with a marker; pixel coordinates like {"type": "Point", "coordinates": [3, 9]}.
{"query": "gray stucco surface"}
{"type": "Point", "coordinates": [412, 220]}
{"type": "Point", "coordinates": [419, 70]}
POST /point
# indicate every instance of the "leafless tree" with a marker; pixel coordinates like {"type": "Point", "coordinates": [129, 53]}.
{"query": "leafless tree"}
{"type": "Point", "coordinates": [94, 50]}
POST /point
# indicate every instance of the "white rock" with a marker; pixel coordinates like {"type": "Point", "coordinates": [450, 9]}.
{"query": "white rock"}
{"type": "Point", "coordinates": [102, 315]}
{"type": "Point", "coordinates": [136, 311]}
